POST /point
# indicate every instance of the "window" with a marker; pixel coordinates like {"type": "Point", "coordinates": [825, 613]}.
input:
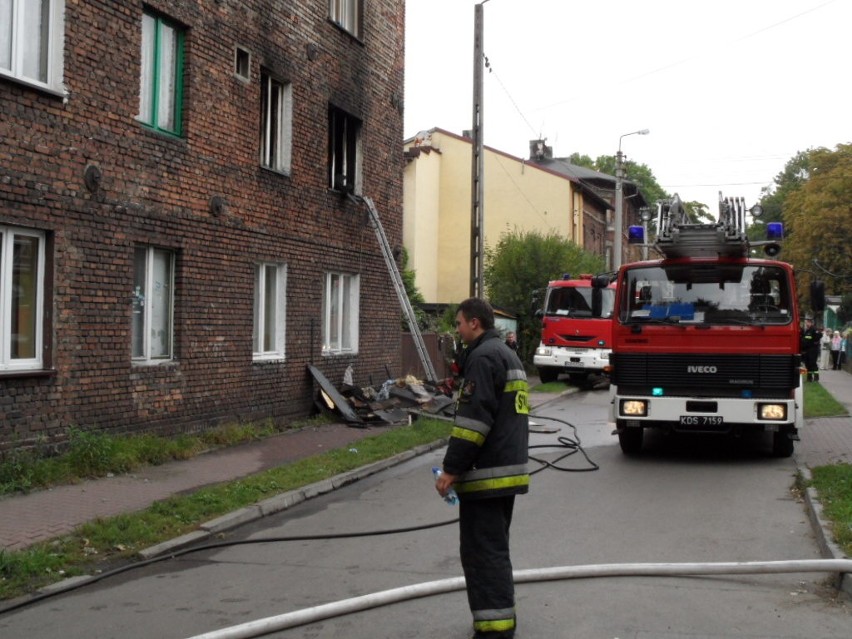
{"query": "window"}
{"type": "Point", "coordinates": [269, 310]}
{"type": "Point", "coordinates": [707, 294]}
{"type": "Point", "coordinates": [153, 302]}
{"type": "Point", "coordinates": [340, 314]}
{"type": "Point", "coordinates": [344, 151]}
{"type": "Point", "coordinates": [276, 123]}
{"type": "Point", "coordinates": [21, 298]}
{"type": "Point", "coordinates": [347, 15]}
{"type": "Point", "coordinates": [32, 34]}
{"type": "Point", "coordinates": [242, 64]}
{"type": "Point", "coordinates": [161, 82]}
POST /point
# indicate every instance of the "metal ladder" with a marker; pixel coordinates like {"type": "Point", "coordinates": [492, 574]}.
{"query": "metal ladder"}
{"type": "Point", "coordinates": [399, 286]}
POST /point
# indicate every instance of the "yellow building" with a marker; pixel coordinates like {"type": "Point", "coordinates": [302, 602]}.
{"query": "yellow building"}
{"type": "Point", "coordinates": [517, 195]}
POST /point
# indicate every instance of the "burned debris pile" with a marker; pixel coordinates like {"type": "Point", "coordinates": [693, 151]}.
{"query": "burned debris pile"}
{"type": "Point", "coordinates": [392, 402]}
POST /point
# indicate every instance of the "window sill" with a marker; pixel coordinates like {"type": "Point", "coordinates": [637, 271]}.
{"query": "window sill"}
{"type": "Point", "coordinates": [55, 91]}
{"type": "Point", "coordinates": [19, 372]}
{"type": "Point", "coordinates": [268, 359]}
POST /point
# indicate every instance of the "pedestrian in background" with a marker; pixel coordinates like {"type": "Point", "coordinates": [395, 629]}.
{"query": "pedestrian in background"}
{"type": "Point", "coordinates": [825, 351]}
{"type": "Point", "coordinates": [810, 342]}
{"type": "Point", "coordinates": [486, 463]}
{"type": "Point", "coordinates": [836, 341]}
{"type": "Point", "coordinates": [512, 341]}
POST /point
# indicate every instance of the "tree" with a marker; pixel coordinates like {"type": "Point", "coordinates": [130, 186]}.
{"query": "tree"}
{"type": "Point", "coordinates": [640, 174]}
{"type": "Point", "coordinates": [415, 297]}
{"type": "Point", "coordinates": [795, 173]}
{"type": "Point", "coordinates": [517, 271]}
{"type": "Point", "coordinates": [816, 211]}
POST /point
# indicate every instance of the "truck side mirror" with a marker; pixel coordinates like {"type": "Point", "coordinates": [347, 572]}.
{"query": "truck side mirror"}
{"type": "Point", "coordinates": [597, 301]}
{"type": "Point", "coordinates": [600, 281]}
{"type": "Point", "coordinates": [818, 296]}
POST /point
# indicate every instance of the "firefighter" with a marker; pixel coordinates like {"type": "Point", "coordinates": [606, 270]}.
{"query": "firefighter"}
{"type": "Point", "coordinates": [811, 337]}
{"type": "Point", "coordinates": [486, 463]}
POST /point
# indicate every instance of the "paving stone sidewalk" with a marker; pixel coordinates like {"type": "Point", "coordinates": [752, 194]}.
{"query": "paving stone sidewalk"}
{"type": "Point", "coordinates": [47, 514]}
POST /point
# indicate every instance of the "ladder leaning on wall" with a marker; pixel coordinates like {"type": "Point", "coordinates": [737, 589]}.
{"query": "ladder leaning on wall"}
{"type": "Point", "coordinates": [399, 286]}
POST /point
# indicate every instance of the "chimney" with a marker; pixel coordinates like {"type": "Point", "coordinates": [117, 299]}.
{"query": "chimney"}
{"type": "Point", "coordinates": [540, 151]}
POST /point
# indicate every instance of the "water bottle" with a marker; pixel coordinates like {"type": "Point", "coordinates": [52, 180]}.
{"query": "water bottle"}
{"type": "Point", "coordinates": [451, 497]}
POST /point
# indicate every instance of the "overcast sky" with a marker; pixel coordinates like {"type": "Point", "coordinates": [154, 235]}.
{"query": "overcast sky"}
{"type": "Point", "coordinates": [730, 89]}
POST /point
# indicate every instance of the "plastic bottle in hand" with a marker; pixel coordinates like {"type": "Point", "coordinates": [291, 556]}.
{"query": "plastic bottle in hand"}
{"type": "Point", "coordinates": [451, 497]}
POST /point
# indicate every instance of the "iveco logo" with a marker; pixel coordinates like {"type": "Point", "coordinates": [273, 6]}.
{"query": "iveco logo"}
{"type": "Point", "coordinates": [701, 369]}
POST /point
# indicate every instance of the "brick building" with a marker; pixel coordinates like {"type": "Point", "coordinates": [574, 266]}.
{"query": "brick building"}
{"type": "Point", "coordinates": [176, 236]}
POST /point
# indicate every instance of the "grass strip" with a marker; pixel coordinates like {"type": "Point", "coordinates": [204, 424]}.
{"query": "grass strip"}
{"type": "Point", "coordinates": [116, 539]}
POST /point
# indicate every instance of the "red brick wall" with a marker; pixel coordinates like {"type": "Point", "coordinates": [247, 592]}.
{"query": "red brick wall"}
{"type": "Point", "coordinates": [156, 190]}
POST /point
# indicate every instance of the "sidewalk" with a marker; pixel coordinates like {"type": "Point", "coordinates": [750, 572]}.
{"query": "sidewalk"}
{"type": "Point", "coordinates": [47, 514]}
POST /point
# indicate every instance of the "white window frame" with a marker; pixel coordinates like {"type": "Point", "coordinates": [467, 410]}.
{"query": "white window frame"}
{"type": "Point", "coordinates": [148, 302]}
{"type": "Point", "coordinates": [276, 121]}
{"type": "Point", "coordinates": [347, 14]}
{"type": "Point", "coordinates": [341, 311]}
{"type": "Point", "coordinates": [8, 360]}
{"type": "Point", "coordinates": [270, 306]}
{"type": "Point", "coordinates": [16, 44]}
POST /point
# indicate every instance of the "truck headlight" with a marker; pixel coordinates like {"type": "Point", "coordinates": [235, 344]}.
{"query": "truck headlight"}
{"type": "Point", "coordinates": [775, 412]}
{"type": "Point", "coordinates": [633, 408]}
{"type": "Point", "coordinates": [544, 351]}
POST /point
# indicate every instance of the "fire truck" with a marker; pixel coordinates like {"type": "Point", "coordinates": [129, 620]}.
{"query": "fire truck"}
{"type": "Point", "coordinates": [706, 339]}
{"type": "Point", "coordinates": [576, 329]}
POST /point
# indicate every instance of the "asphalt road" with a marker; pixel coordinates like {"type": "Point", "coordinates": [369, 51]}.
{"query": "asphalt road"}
{"type": "Point", "coordinates": [682, 501]}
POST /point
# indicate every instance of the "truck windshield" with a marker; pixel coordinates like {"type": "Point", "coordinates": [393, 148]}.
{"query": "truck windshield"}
{"type": "Point", "coordinates": [706, 294]}
{"type": "Point", "coordinates": [577, 302]}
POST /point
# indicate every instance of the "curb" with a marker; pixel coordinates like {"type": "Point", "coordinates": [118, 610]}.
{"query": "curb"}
{"type": "Point", "coordinates": [291, 498]}
{"type": "Point", "coordinates": [283, 501]}
{"type": "Point", "coordinates": [822, 532]}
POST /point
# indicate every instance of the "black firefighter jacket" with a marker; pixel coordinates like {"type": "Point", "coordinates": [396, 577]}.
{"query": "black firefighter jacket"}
{"type": "Point", "coordinates": [488, 446]}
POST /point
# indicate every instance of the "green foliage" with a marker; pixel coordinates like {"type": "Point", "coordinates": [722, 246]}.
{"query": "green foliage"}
{"type": "Point", "coordinates": [820, 403]}
{"type": "Point", "coordinates": [833, 484]}
{"type": "Point", "coordinates": [415, 297]}
{"type": "Point", "coordinates": [123, 536]}
{"type": "Point", "coordinates": [794, 175]}
{"type": "Point", "coordinates": [95, 454]}
{"type": "Point", "coordinates": [816, 210]}
{"type": "Point", "coordinates": [518, 269]}
{"type": "Point", "coordinates": [639, 174]}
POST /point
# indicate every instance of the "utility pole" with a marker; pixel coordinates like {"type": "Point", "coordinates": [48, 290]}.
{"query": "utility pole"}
{"type": "Point", "coordinates": [619, 201]}
{"type": "Point", "coordinates": [477, 206]}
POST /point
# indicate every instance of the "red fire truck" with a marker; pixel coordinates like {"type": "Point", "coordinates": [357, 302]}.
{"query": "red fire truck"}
{"type": "Point", "coordinates": [576, 329]}
{"type": "Point", "coordinates": [706, 339]}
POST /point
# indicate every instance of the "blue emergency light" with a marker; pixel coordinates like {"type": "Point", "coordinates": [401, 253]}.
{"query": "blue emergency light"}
{"type": "Point", "coordinates": [635, 235]}
{"type": "Point", "coordinates": [775, 231]}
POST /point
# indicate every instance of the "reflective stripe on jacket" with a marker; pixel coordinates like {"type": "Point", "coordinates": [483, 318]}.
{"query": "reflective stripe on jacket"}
{"type": "Point", "coordinates": [489, 441]}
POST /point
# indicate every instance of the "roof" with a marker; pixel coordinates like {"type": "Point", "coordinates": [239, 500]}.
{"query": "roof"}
{"type": "Point", "coordinates": [584, 174]}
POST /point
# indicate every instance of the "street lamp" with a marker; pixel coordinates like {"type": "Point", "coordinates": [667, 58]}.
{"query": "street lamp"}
{"type": "Point", "coordinates": [619, 199]}
{"type": "Point", "coordinates": [645, 214]}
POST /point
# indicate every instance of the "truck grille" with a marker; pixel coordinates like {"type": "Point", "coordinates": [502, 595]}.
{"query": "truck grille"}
{"type": "Point", "coordinates": [699, 375]}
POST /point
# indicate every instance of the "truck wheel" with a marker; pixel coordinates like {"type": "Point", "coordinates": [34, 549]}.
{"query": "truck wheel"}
{"type": "Point", "coordinates": [782, 445]}
{"type": "Point", "coordinates": [547, 375]}
{"type": "Point", "coordinates": [630, 440]}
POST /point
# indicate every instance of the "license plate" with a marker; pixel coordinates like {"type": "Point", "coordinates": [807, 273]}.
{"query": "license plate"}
{"type": "Point", "coordinates": [701, 420]}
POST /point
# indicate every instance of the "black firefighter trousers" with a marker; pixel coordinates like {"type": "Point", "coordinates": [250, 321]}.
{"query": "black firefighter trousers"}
{"type": "Point", "coordinates": [484, 549]}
